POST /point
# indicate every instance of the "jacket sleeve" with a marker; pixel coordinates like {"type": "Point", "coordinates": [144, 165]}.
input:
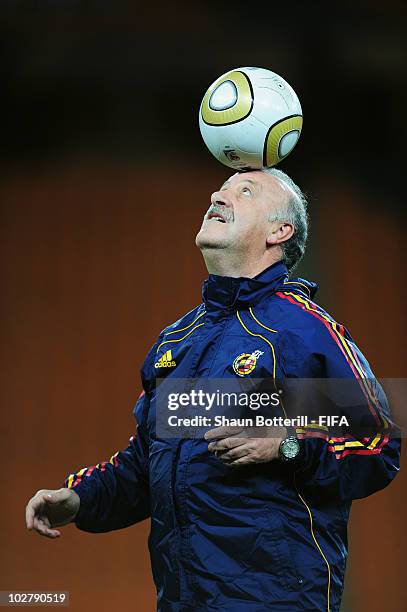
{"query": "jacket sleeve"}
{"type": "Point", "coordinates": [353, 464]}
{"type": "Point", "coordinates": [115, 493]}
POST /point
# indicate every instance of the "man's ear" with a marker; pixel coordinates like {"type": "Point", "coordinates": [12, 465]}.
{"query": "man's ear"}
{"type": "Point", "coordinates": [280, 231]}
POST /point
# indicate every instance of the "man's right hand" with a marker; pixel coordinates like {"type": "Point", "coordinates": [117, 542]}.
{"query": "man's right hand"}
{"type": "Point", "coordinates": [51, 508]}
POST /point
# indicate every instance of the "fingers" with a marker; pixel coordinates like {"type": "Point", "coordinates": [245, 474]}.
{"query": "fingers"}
{"type": "Point", "coordinates": [33, 508]}
{"type": "Point", "coordinates": [235, 453]}
{"type": "Point", "coordinates": [222, 432]}
{"type": "Point", "coordinates": [29, 516]}
{"type": "Point", "coordinates": [226, 444]}
{"type": "Point", "coordinates": [43, 529]}
{"type": "Point", "coordinates": [36, 519]}
{"type": "Point", "coordinates": [246, 460]}
{"type": "Point", "coordinates": [242, 451]}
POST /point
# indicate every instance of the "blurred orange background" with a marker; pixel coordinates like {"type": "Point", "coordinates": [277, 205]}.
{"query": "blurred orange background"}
{"type": "Point", "coordinates": [98, 255]}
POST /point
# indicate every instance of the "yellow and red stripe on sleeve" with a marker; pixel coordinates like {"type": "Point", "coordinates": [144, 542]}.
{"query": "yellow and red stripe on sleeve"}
{"type": "Point", "coordinates": [366, 446]}
{"type": "Point", "coordinates": [337, 332]}
{"type": "Point", "coordinates": [345, 445]}
{"type": "Point", "coordinates": [74, 479]}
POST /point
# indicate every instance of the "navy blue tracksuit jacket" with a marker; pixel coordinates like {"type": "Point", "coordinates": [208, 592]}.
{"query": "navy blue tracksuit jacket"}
{"type": "Point", "coordinates": [256, 538]}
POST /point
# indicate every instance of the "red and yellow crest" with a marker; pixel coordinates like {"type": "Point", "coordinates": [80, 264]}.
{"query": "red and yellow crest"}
{"type": "Point", "coordinates": [246, 362]}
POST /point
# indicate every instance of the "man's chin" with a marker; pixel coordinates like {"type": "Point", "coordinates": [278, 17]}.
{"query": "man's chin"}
{"type": "Point", "coordinates": [204, 240]}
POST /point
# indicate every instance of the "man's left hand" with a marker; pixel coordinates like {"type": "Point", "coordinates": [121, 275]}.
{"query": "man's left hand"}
{"type": "Point", "coordinates": [237, 446]}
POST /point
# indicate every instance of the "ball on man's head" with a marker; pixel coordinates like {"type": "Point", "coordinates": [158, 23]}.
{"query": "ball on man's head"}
{"type": "Point", "coordinates": [250, 118]}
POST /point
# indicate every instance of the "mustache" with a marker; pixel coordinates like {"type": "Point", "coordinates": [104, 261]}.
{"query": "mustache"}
{"type": "Point", "coordinates": [226, 213]}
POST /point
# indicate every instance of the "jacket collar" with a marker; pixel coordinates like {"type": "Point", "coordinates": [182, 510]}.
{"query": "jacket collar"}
{"type": "Point", "coordinates": [226, 292]}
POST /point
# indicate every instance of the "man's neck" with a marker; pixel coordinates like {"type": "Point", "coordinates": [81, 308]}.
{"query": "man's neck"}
{"type": "Point", "coordinates": [217, 263]}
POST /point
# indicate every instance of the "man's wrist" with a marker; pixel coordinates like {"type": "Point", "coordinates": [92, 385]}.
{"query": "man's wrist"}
{"type": "Point", "coordinates": [289, 448]}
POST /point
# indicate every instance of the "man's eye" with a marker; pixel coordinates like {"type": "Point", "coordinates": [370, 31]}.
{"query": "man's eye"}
{"type": "Point", "coordinates": [246, 191]}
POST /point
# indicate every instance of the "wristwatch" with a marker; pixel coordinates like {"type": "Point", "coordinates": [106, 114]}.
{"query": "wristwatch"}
{"type": "Point", "coordinates": [289, 448]}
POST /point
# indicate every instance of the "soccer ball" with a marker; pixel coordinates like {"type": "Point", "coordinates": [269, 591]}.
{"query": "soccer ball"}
{"type": "Point", "coordinates": [250, 118]}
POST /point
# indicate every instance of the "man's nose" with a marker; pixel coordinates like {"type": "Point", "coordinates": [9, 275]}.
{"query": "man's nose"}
{"type": "Point", "coordinates": [220, 198]}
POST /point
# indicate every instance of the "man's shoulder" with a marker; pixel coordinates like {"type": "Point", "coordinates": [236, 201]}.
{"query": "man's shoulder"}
{"type": "Point", "coordinates": [300, 307]}
{"type": "Point", "coordinates": [293, 310]}
{"type": "Point", "coordinates": [308, 337]}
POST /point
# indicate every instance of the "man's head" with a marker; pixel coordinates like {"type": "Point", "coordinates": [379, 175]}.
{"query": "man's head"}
{"type": "Point", "coordinates": [255, 219]}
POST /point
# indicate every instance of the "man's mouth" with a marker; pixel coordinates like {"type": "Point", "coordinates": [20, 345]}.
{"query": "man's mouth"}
{"type": "Point", "coordinates": [217, 216]}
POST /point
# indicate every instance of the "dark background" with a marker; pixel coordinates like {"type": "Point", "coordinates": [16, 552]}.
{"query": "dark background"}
{"type": "Point", "coordinates": [103, 183]}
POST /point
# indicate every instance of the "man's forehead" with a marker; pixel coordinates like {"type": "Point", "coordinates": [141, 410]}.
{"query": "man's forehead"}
{"type": "Point", "coordinates": [265, 184]}
{"type": "Point", "coordinates": [254, 177]}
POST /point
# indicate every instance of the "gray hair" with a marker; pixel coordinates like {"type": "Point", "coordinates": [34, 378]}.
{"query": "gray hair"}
{"type": "Point", "coordinates": [294, 211]}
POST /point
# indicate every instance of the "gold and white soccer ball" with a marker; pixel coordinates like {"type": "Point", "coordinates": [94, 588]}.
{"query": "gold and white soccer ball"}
{"type": "Point", "coordinates": [250, 118]}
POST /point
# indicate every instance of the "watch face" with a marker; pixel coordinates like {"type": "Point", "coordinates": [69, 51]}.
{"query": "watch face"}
{"type": "Point", "coordinates": [290, 448]}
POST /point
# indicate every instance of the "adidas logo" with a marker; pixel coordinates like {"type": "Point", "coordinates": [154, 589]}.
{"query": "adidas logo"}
{"type": "Point", "coordinates": [165, 361]}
